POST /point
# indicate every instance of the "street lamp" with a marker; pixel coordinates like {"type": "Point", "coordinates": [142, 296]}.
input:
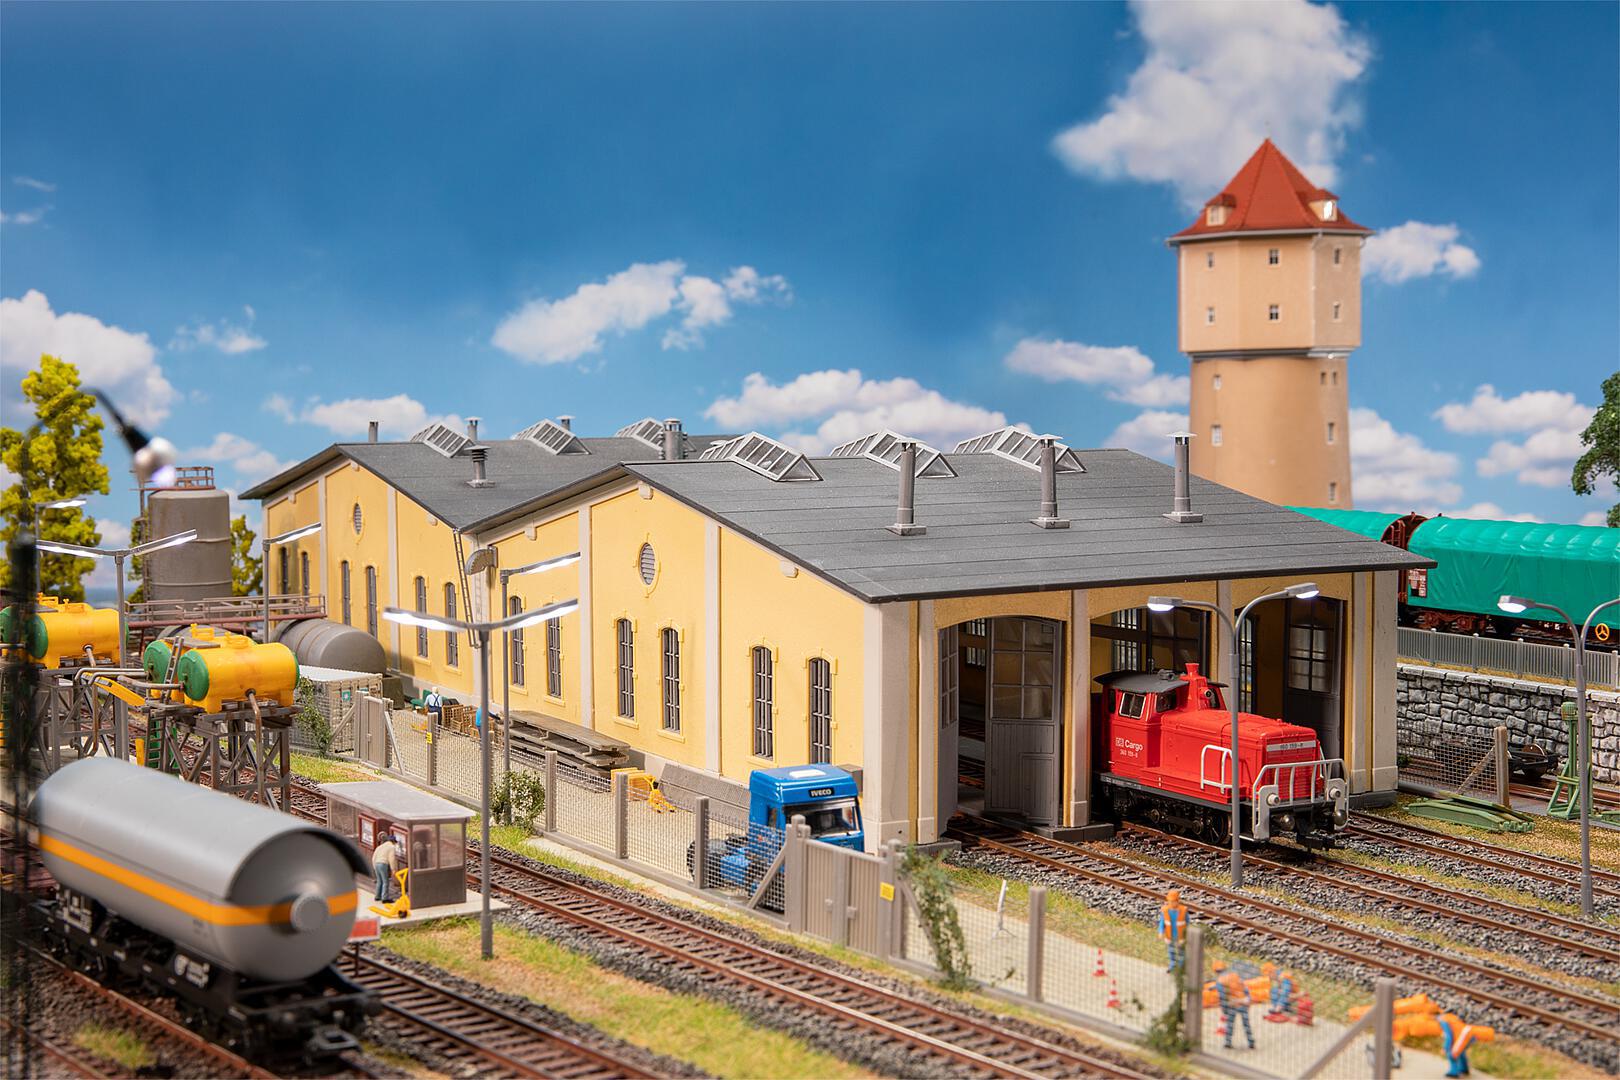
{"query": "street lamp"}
{"type": "Point", "coordinates": [483, 630]}
{"type": "Point", "coordinates": [1303, 591]}
{"type": "Point", "coordinates": [118, 555]}
{"type": "Point", "coordinates": [1518, 605]}
{"type": "Point", "coordinates": [264, 569]}
{"type": "Point", "coordinates": [506, 649]}
{"type": "Point", "coordinates": [54, 504]}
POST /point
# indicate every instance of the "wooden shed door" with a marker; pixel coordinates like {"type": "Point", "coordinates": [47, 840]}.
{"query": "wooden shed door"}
{"type": "Point", "coordinates": [1022, 733]}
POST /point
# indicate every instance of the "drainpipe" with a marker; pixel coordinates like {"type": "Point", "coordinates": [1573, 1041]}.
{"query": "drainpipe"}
{"type": "Point", "coordinates": [673, 440]}
{"type": "Point", "coordinates": [905, 517]}
{"type": "Point", "coordinates": [1049, 507]}
{"type": "Point", "coordinates": [1181, 510]}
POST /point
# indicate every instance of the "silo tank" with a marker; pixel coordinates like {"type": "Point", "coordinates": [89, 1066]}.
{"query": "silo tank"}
{"type": "Point", "coordinates": [198, 570]}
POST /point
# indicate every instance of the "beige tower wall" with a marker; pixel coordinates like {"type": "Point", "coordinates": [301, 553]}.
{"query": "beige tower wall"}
{"type": "Point", "coordinates": [1273, 413]}
{"type": "Point", "coordinates": [1237, 279]}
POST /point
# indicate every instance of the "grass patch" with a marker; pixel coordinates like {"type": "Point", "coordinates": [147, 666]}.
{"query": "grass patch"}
{"type": "Point", "coordinates": [1552, 837]}
{"type": "Point", "coordinates": [328, 770]}
{"type": "Point", "coordinates": [714, 1037]}
{"type": "Point", "coordinates": [121, 1047]}
{"type": "Point", "coordinates": [1511, 1058]}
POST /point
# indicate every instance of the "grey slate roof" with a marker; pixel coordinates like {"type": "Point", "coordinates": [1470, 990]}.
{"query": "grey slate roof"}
{"type": "Point", "coordinates": [979, 538]}
{"type": "Point", "coordinates": [523, 473]}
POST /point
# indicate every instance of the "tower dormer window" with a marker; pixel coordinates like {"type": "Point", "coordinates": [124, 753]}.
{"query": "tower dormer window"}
{"type": "Point", "coordinates": [1274, 313]}
{"type": "Point", "coordinates": [1273, 257]}
{"type": "Point", "coordinates": [1215, 215]}
{"type": "Point", "coordinates": [1330, 210]}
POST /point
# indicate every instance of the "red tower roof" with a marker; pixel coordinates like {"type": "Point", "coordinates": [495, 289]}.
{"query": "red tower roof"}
{"type": "Point", "coordinates": [1269, 195]}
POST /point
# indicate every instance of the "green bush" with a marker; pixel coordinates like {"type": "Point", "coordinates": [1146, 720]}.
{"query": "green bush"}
{"type": "Point", "coordinates": [520, 797]}
{"type": "Point", "coordinates": [316, 732]}
{"type": "Point", "coordinates": [936, 907]}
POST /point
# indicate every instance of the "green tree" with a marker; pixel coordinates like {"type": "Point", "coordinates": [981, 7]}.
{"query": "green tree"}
{"type": "Point", "coordinates": [1602, 441]}
{"type": "Point", "coordinates": [63, 461]}
{"type": "Point", "coordinates": [247, 569]}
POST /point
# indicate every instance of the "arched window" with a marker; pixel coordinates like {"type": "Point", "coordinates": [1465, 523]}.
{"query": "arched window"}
{"type": "Point", "coordinates": [627, 669]}
{"type": "Point", "coordinates": [284, 572]}
{"type": "Point", "coordinates": [452, 644]}
{"type": "Point", "coordinates": [671, 641]}
{"type": "Point", "coordinates": [554, 685]}
{"type": "Point", "coordinates": [421, 606]}
{"type": "Point", "coordinates": [514, 641]}
{"type": "Point", "coordinates": [820, 711]}
{"type": "Point", "coordinates": [348, 613]}
{"type": "Point", "coordinates": [764, 703]}
{"type": "Point", "coordinates": [371, 600]}
{"type": "Point", "coordinates": [303, 571]}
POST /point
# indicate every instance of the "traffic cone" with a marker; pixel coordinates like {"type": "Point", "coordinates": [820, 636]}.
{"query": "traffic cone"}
{"type": "Point", "coordinates": [1100, 972]}
{"type": "Point", "coordinates": [1220, 1027]}
{"type": "Point", "coordinates": [1113, 993]}
{"type": "Point", "coordinates": [1304, 1010]}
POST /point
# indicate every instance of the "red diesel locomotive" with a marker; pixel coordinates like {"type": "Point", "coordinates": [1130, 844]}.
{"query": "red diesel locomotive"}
{"type": "Point", "coordinates": [1168, 761]}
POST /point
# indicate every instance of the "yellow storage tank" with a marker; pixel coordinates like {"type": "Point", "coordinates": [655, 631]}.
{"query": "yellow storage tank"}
{"type": "Point", "coordinates": [69, 627]}
{"type": "Point", "coordinates": [209, 677]}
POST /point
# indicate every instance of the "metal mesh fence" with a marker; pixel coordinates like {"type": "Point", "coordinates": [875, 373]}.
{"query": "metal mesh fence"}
{"type": "Point", "coordinates": [328, 700]}
{"type": "Point", "coordinates": [584, 804]}
{"type": "Point", "coordinates": [1432, 759]}
{"type": "Point", "coordinates": [1519, 659]}
{"type": "Point", "coordinates": [740, 856]}
{"type": "Point", "coordinates": [437, 757]}
{"type": "Point", "coordinates": [658, 833]}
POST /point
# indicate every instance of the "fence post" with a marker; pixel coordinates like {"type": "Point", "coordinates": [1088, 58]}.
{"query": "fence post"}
{"type": "Point", "coordinates": [621, 815]}
{"type": "Point", "coordinates": [1499, 748]}
{"type": "Point", "coordinates": [433, 750]}
{"type": "Point", "coordinates": [839, 896]}
{"type": "Point", "coordinates": [794, 887]}
{"type": "Point", "coordinates": [1035, 944]}
{"type": "Point", "coordinates": [700, 843]}
{"type": "Point", "coordinates": [551, 791]}
{"type": "Point", "coordinates": [1192, 986]}
{"type": "Point", "coordinates": [1383, 1028]}
{"type": "Point", "coordinates": [888, 899]}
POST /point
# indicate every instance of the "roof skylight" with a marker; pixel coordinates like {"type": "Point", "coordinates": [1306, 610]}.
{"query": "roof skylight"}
{"type": "Point", "coordinates": [553, 438]}
{"type": "Point", "coordinates": [763, 455]}
{"type": "Point", "coordinates": [443, 439]}
{"type": "Point", "coordinates": [1016, 444]}
{"type": "Point", "coordinates": [884, 447]}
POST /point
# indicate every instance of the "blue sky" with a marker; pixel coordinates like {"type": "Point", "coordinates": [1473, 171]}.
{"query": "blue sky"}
{"type": "Point", "coordinates": [261, 226]}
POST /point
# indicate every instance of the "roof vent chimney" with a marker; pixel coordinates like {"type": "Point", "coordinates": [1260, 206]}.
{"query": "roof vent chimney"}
{"type": "Point", "coordinates": [472, 427]}
{"type": "Point", "coordinates": [1181, 510]}
{"type": "Point", "coordinates": [674, 441]}
{"type": "Point", "coordinates": [1049, 509]}
{"type": "Point", "coordinates": [371, 431]}
{"type": "Point", "coordinates": [478, 454]}
{"type": "Point", "coordinates": [905, 518]}
{"type": "Point", "coordinates": [565, 422]}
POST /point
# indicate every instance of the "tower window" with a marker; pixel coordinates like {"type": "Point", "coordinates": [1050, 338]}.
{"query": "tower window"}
{"type": "Point", "coordinates": [1335, 311]}
{"type": "Point", "coordinates": [1214, 434]}
{"type": "Point", "coordinates": [1274, 313]}
{"type": "Point", "coordinates": [1335, 379]}
{"type": "Point", "coordinates": [1209, 316]}
{"type": "Point", "coordinates": [1215, 382]}
{"type": "Point", "coordinates": [1209, 260]}
{"type": "Point", "coordinates": [1338, 254]}
{"type": "Point", "coordinates": [1331, 432]}
{"type": "Point", "coordinates": [1322, 377]}
{"type": "Point", "coordinates": [1329, 210]}
{"type": "Point", "coordinates": [1215, 215]}
{"type": "Point", "coordinates": [1273, 257]}
{"type": "Point", "coordinates": [1333, 491]}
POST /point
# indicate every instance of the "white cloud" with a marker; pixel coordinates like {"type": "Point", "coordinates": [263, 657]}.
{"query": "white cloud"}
{"type": "Point", "coordinates": [850, 406]}
{"type": "Point", "coordinates": [26, 217]}
{"type": "Point", "coordinates": [280, 405]}
{"type": "Point", "coordinates": [249, 458]}
{"type": "Point", "coordinates": [1595, 517]}
{"type": "Point", "coordinates": [103, 576]}
{"type": "Point", "coordinates": [1487, 511]}
{"type": "Point", "coordinates": [1394, 470]}
{"type": "Point", "coordinates": [399, 415]}
{"type": "Point", "coordinates": [118, 361]}
{"type": "Point", "coordinates": [1122, 370]}
{"type": "Point", "coordinates": [557, 331]}
{"type": "Point", "coordinates": [31, 182]}
{"type": "Point", "coordinates": [1218, 78]}
{"type": "Point", "coordinates": [1545, 459]}
{"type": "Point", "coordinates": [1489, 412]}
{"type": "Point", "coordinates": [1417, 249]}
{"type": "Point", "coordinates": [229, 338]}
{"type": "Point", "coordinates": [1146, 433]}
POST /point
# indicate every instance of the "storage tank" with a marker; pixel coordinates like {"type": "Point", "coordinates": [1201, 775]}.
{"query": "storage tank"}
{"type": "Point", "coordinates": [198, 570]}
{"type": "Point", "coordinates": [324, 643]}
{"type": "Point", "coordinates": [239, 884]}
{"type": "Point", "coordinates": [63, 628]}
{"type": "Point", "coordinates": [238, 665]}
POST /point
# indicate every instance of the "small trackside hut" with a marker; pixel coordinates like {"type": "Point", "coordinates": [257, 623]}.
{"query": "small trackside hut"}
{"type": "Point", "coordinates": [434, 829]}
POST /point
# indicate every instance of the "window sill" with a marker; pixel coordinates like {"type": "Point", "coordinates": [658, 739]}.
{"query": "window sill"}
{"type": "Point", "coordinates": [627, 721]}
{"type": "Point", "coordinates": [762, 762]}
{"type": "Point", "coordinates": [672, 736]}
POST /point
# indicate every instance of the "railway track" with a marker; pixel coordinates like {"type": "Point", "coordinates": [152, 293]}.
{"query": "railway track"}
{"type": "Point", "coordinates": [76, 1062]}
{"type": "Point", "coordinates": [1593, 940]}
{"type": "Point", "coordinates": [1479, 852]}
{"type": "Point", "coordinates": [1580, 1014]}
{"type": "Point", "coordinates": [1603, 798]}
{"type": "Point", "coordinates": [470, 1035]}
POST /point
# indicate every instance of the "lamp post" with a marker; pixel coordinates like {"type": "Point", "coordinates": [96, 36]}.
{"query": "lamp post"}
{"type": "Point", "coordinates": [1303, 591]}
{"type": "Point", "coordinates": [264, 570]}
{"type": "Point", "coordinates": [506, 650]}
{"type": "Point", "coordinates": [118, 555]}
{"type": "Point", "coordinates": [1518, 605]}
{"type": "Point", "coordinates": [482, 631]}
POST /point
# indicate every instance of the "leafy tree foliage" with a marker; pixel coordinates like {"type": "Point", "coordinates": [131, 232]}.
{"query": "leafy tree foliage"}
{"type": "Point", "coordinates": [247, 569]}
{"type": "Point", "coordinates": [61, 461]}
{"type": "Point", "coordinates": [1602, 440]}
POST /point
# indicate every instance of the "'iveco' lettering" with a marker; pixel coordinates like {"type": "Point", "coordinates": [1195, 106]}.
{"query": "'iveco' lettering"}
{"type": "Point", "coordinates": [820, 793]}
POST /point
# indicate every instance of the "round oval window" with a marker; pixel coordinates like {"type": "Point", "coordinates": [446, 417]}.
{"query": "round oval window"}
{"type": "Point", "coordinates": [649, 564]}
{"type": "Point", "coordinates": [357, 519]}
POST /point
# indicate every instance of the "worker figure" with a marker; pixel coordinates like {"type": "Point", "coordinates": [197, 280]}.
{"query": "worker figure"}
{"type": "Point", "coordinates": [433, 703]}
{"type": "Point", "coordinates": [1455, 1038]}
{"type": "Point", "coordinates": [385, 861]}
{"type": "Point", "coordinates": [1233, 995]}
{"type": "Point", "coordinates": [1282, 997]}
{"type": "Point", "coordinates": [1173, 928]}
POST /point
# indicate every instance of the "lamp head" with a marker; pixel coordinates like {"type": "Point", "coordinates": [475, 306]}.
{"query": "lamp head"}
{"type": "Point", "coordinates": [417, 618]}
{"type": "Point", "coordinates": [1162, 604]}
{"type": "Point", "coordinates": [1513, 605]}
{"type": "Point", "coordinates": [1305, 590]}
{"type": "Point", "coordinates": [542, 614]}
{"type": "Point", "coordinates": [62, 504]}
{"type": "Point", "coordinates": [545, 564]}
{"type": "Point", "coordinates": [165, 542]}
{"type": "Point", "coordinates": [56, 548]}
{"type": "Point", "coordinates": [296, 534]}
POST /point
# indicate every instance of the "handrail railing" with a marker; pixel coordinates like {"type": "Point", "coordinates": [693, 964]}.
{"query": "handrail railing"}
{"type": "Point", "coordinates": [1502, 656]}
{"type": "Point", "coordinates": [227, 608]}
{"type": "Point", "coordinates": [1223, 767]}
{"type": "Point", "coordinates": [1319, 772]}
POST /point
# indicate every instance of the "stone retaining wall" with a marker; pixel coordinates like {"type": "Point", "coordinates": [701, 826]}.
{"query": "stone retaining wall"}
{"type": "Point", "coordinates": [1465, 705]}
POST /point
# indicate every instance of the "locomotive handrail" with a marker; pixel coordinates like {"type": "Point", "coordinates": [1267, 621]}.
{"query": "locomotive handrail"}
{"type": "Point", "coordinates": [1223, 767]}
{"type": "Point", "coordinates": [1322, 770]}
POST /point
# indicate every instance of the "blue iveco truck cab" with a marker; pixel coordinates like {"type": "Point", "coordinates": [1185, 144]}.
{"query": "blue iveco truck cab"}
{"type": "Point", "coordinates": [825, 796]}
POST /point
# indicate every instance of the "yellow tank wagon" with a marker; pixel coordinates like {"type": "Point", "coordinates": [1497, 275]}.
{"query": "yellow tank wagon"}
{"type": "Point", "coordinates": [62, 629]}
{"type": "Point", "coordinates": [236, 667]}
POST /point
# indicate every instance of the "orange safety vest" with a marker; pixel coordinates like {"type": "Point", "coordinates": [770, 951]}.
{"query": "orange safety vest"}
{"type": "Point", "coordinates": [1173, 921]}
{"type": "Point", "coordinates": [1236, 990]}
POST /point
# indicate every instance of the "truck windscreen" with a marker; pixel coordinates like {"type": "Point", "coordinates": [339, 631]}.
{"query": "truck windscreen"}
{"type": "Point", "coordinates": [839, 817]}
